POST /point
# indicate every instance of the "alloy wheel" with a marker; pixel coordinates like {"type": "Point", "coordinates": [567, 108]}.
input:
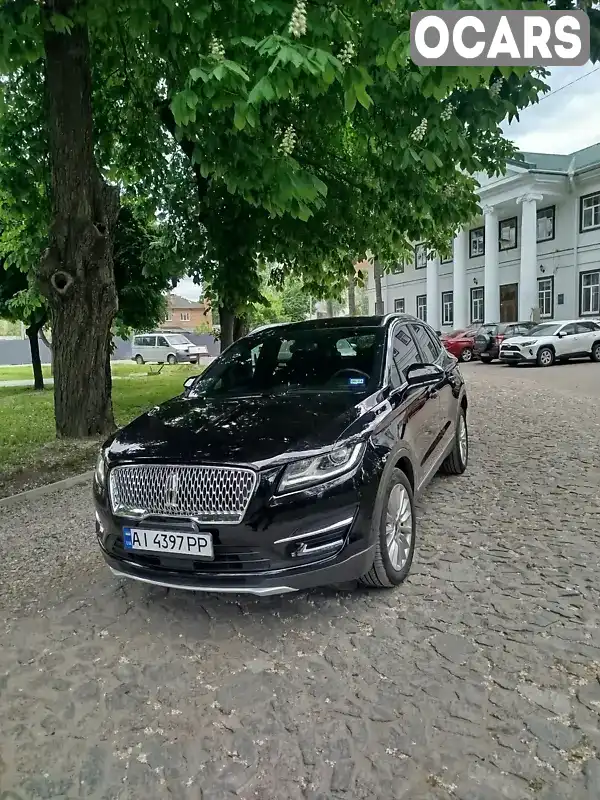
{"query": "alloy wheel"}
{"type": "Point", "coordinates": [463, 441]}
{"type": "Point", "coordinates": [399, 527]}
{"type": "Point", "coordinates": [467, 354]}
{"type": "Point", "coordinates": [545, 358]}
{"type": "Point", "coordinates": [596, 353]}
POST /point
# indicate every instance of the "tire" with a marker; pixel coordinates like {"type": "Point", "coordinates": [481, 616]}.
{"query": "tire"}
{"type": "Point", "coordinates": [486, 359]}
{"type": "Point", "coordinates": [545, 357]}
{"type": "Point", "coordinates": [139, 359]}
{"type": "Point", "coordinates": [171, 359]}
{"type": "Point", "coordinates": [596, 352]}
{"type": "Point", "coordinates": [384, 572]}
{"type": "Point", "coordinates": [456, 461]}
{"type": "Point", "coordinates": [466, 355]}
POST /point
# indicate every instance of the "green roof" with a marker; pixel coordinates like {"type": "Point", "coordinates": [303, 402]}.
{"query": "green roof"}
{"type": "Point", "coordinates": [551, 162]}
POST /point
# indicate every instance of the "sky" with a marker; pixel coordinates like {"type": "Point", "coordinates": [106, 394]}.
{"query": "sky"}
{"type": "Point", "coordinates": [565, 120]}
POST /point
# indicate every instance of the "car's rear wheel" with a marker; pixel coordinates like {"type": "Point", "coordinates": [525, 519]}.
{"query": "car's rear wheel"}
{"type": "Point", "coordinates": [545, 357]}
{"type": "Point", "coordinates": [486, 359]}
{"type": "Point", "coordinates": [395, 534]}
{"type": "Point", "coordinates": [466, 355]}
{"type": "Point", "coordinates": [456, 462]}
{"type": "Point", "coordinates": [596, 352]}
{"type": "Point", "coordinates": [171, 359]}
{"type": "Point", "coordinates": [139, 359]}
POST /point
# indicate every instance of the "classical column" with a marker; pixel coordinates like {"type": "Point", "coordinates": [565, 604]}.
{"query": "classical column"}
{"type": "Point", "coordinates": [491, 277]}
{"type": "Point", "coordinates": [433, 293]}
{"type": "Point", "coordinates": [528, 289]}
{"type": "Point", "coordinates": [460, 289]}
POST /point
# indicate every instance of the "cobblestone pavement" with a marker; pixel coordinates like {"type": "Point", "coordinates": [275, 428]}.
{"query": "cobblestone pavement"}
{"type": "Point", "coordinates": [477, 680]}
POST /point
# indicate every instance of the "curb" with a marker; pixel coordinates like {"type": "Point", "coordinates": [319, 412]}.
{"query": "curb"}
{"type": "Point", "coordinates": [40, 491]}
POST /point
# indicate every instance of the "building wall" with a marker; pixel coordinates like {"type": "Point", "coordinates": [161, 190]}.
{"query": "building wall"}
{"type": "Point", "coordinates": [563, 258]}
{"type": "Point", "coordinates": [187, 317]}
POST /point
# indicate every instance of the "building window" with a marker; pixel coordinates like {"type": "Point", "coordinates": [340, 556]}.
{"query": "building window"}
{"type": "Point", "coordinates": [590, 212]}
{"type": "Point", "coordinates": [476, 242]}
{"type": "Point", "coordinates": [422, 307]}
{"type": "Point", "coordinates": [477, 304]}
{"type": "Point", "coordinates": [399, 268]}
{"type": "Point", "coordinates": [447, 260]}
{"type": "Point", "coordinates": [399, 305]}
{"type": "Point", "coordinates": [545, 224]}
{"type": "Point", "coordinates": [421, 256]}
{"type": "Point", "coordinates": [184, 316]}
{"type": "Point", "coordinates": [589, 293]}
{"type": "Point", "coordinates": [546, 297]}
{"type": "Point", "coordinates": [507, 234]}
{"type": "Point", "coordinates": [447, 308]}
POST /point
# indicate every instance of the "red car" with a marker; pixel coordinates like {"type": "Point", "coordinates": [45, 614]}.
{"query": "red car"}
{"type": "Point", "coordinates": [460, 343]}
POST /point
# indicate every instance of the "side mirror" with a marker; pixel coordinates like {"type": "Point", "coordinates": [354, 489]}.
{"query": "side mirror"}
{"type": "Point", "coordinates": [423, 374]}
{"type": "Point", "coordinates": [562, 334]}
{"type": "Point", "coordinates": [188, 382]}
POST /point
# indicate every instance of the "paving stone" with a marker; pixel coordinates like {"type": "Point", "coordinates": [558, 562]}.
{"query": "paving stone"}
{"type": "Point", "coordinates": [476, 680]}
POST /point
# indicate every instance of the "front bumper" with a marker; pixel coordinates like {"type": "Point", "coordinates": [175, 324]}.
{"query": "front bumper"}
{"type": "Point", "coordinates": [517, 357]}
{"type": "Point", "coordinates": [322, 536]}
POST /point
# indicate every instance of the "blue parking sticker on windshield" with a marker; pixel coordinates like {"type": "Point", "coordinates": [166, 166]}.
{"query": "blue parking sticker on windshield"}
{"type": "Point", "coordinates": [357, 381]}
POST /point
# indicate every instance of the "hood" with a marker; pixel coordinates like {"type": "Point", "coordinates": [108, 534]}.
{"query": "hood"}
{"type": "Point", "coordinates": [245, 430]}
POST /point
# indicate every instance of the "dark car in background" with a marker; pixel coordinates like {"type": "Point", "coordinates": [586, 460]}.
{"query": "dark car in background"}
{"type": "Point", "coordinates": [489, 337]}
{"type": "Point", "coordinates": [460, 343]}
{"type": "Point", "coordinates": [293, 461]}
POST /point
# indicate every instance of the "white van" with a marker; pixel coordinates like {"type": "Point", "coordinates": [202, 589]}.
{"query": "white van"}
{"type": "Point", "coordinates": [170, 348]}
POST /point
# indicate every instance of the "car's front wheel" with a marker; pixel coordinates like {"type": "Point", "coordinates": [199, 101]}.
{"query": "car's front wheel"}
{"type": "Point", "coordinates": [466, 355]}
{"type": "Point", "coordinates": [171, 359]}
{"type": "Point", "coordinates": [395, 530]}
{"type": "Point", "coordinates": [596, 351]}
{"type": "Point", "coordinates": [545, 357]}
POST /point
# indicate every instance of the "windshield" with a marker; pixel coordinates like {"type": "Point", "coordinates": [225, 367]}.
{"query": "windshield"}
{"type": "Point", "coordinates": [543, 330]}
{"type": "Point", "coordinates": [177, 338]}
{"type": "Point", "coordinates": [297, 359]}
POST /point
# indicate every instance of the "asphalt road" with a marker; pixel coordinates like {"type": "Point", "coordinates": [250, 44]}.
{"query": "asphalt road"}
{"type": "Point", "coordinates": [476, 680]}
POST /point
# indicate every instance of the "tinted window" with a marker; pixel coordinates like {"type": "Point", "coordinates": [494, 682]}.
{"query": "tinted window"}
{"type": "Point", "coordinates": [150, 341]}
{"type": "Point", "coordinates": [404, 354]}
{"type": "Point", "coordinates": [298, 360]}
{"type": "Point", "coordinates": [428, 346]}
{"type": "Point", "coordinates": [586, 327]}
{"type": "Point", "coordinates": [162, 342]}
{"type": "Point", "coordinates": [569, 329]}
{"type": "Point", "coordinates": [138, 341]}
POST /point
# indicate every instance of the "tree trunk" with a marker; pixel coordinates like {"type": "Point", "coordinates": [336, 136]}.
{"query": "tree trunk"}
{"type": "Point", "coordinates": [330, 308]}
{"type": "Point", "coordinates": [227, 319]}
{"type": "Point", "coordinates": [34, 345]}
{"type": "Point", "coordinates": [377, 273]}
{"type": "Point", "coordinates": [240, 327]}
{"type": "Point", "coordinates": [351, 296]}
{"type": "Point", "coordinates": [76, 271]}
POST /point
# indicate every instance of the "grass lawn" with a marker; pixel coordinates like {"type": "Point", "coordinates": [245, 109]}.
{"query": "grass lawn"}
{"type": "Point", "coordinates": [120, 369]}
{"type": "Point", "coordinates": [30, 455]}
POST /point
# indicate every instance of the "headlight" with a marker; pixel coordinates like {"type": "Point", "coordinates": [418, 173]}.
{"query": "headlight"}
{"type": "Point", "coordinates": [528, 344]}
{"type": "Point", "coordinates": [100, 472]}
{"type": "Point", "coordinates": [310, 471]}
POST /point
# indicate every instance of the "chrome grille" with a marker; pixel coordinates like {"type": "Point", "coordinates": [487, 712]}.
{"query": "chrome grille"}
{"type": "Point", "coordinates": [209, 494]}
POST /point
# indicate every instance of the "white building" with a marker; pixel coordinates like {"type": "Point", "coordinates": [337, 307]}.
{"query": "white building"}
{"type": "Point", "coordinates": [537, 245]}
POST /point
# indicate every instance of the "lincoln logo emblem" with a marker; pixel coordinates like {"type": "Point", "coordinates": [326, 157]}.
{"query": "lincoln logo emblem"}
{"type": "Point", "coordinates": [172, 490]}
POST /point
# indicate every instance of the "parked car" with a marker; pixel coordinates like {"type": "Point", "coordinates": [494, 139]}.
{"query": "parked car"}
{"type": "Point", "coordinates": [460, 343]}
{"type": "Point", "coordinates": [163, 347]}
{"type": "Point", "coordinates": [489, 337]}
{"type": "Point", "coordinates": [554, 341]}
{"type": "Point", "coordinates": [271, 475]}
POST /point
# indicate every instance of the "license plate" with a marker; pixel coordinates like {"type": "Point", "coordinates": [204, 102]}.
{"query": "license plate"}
{"type": "Point", "coordinates": [185, 544]}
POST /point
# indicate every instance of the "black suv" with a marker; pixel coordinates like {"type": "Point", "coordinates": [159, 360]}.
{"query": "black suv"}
{"type": "Point", "coordinates": [291, 462]}
{"type": "Point", "coordinates": [489, 338]}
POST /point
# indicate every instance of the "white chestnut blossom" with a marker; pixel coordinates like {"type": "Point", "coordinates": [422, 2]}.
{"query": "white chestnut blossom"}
{"type": "Point", "coordinates": [347, 53]}
{"type": "Point", "coordinates": [496, 86]}
{"type": "Point", "coordinates": [288, 142]}
{"type": "Point", "coordinates": [447, 112]}
{"type": "Point", "coordinates": [419, 132]}
{"type": "Point", "coordinates": [216, 48]}
{"type": "Point", "coordinates": [297, 26]}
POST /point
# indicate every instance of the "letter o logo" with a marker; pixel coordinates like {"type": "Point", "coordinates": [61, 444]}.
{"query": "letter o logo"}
{"type": "Point", "coordinates": [435, 23]}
